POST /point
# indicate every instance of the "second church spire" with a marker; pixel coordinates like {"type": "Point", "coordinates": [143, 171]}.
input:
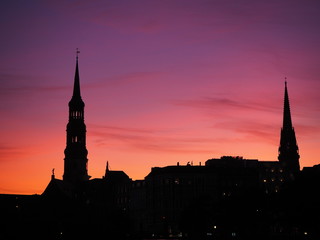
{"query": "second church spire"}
{"type": "Point", "coordinates": [288, 149]}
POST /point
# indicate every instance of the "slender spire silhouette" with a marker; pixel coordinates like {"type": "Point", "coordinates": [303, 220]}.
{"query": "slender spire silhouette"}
{"type": "Point", "coordinates": [107, 170]}
{"type": "Point", "coordinates": [288, 149]}
{"type": "Point", "coordinates": [76, 87]}
{"type": "Point", "coordinates": [76, 100]}
{"type": "Point", "coordinates": [75, 162]}
{"type": "Point", "coordinates": [287, 122]}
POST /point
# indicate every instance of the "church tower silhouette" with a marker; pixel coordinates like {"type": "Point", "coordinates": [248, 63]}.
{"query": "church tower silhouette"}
{"type": "Point", "coordinates": [288, 149]}
{"type": "Point", "coordinates": [75, 161]}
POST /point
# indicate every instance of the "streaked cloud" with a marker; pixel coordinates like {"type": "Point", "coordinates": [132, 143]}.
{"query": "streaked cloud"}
{"type": "Point", "coordinates": [157, 140]}
{"type": "Point", "coordinates": [8, 153]}
{"type": "Point", "coordinates": [228, 104]}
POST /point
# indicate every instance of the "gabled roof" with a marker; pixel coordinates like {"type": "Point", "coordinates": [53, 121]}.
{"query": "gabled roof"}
{"type": "Point", "coordinates": [119, 176]}
{"type": "Point", "coordinates": [58, 188]}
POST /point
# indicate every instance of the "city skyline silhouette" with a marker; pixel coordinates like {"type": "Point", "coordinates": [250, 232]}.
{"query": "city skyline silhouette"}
{"type": "Point", "coordinates": [226, 198]}
{"type": "Point", "coordinates": [158, 90]}
{"type": "Point", "coordinates": [180, 120]}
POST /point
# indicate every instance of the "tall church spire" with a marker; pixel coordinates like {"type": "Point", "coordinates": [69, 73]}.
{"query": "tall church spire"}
{"type": "Point", "coordinates": [76, 86]}
{"type": "Point", "coordinates": [76, 100]}
{"type": "Point", "coordinates": [288, 149]}
{"type": "Point", "coordinates": [75, 161]}
{"type": "Point", "coordinates": [287, 123]}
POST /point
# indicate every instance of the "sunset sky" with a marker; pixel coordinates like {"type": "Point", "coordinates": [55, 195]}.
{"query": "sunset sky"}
{"type": "Point", "coordinates": [164, 81]}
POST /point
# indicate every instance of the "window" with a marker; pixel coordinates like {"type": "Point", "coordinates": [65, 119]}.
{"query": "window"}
{"type": "Point", "coordinates": [176, 181]}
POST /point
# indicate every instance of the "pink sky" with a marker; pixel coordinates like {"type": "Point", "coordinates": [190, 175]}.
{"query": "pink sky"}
{"type": "Point", "coordinates": [164, 81]}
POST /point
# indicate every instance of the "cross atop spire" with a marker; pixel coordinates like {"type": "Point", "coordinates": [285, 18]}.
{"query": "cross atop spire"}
{"type": "Point", "coordinates": [77, 52]}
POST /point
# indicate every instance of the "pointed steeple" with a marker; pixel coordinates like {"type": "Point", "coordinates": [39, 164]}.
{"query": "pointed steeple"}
{"type": "Point", "coordinates": [107, 170]}
{"type": "Point", "coordinates": [287, 123]}
{"type": "Point", "coordinates": [288, 149]}
{"type": "Point", "coordinates": [76, 100]}
{"type": "Point", "coordinates": [75, 161]}
{"type": "Point", "coordinates": [76, 86]}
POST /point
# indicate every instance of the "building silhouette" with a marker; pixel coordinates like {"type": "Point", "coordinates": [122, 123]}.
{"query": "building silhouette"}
{"type": "Point", "coordinates": [158, 205]}
{"type": "Point", "coordinates": [226, 198]}
{"type": "Point", "coordinates": [75, 161]}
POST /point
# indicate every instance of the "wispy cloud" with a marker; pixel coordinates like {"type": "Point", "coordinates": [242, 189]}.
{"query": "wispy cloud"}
{"type": "Point", "coordinates": [252, 131]}
{"type": "Point", "coordinates": [307, 130]}
{"type": "Point", "coordinates": [121, 129]}
{"type": "Point", "coordinates": [7, 153]}
{"type": "Point", "coordinates": [227, 104]}
{"type": "Point", "coordinates": [158, 140]}
{"type": "Point", "coordinates": [26, 83]}
{"type": "Point", "coordinates": [133, 77]}
{"type": "Point", "coordinates": [12, 83]}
